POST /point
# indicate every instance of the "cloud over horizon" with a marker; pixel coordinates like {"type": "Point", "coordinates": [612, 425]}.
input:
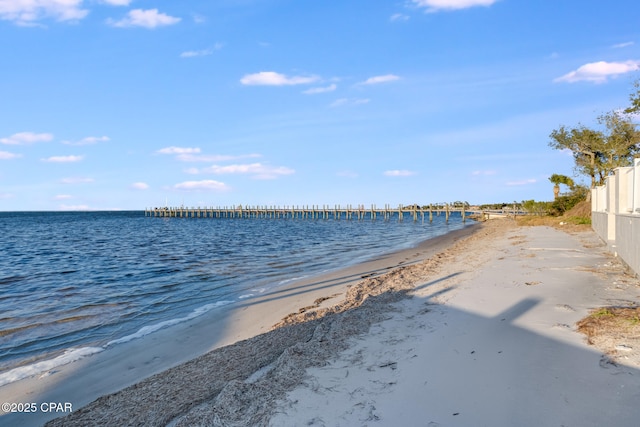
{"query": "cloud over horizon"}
{"type": "Point", "coordinates": [150, 18]}
{"type": "Point", "coordinates": [599, 72]}
{"type": "Point", "coordinates": [117, 2]}
{"type": "Point", "coordinates": [63, 159]}
{"type": "Point", "coordinates": [26, 138]}
{"type": "Point", "coordinates": [202, 52]}
{"type": "Point", "coordinates": [5, 155]}
{"type": "Point", "coordinates": [380, 79]}
{"type": "Point", "coordinates": [140, 186]}
{"type": "Point", "coordinates": [204, 185]}
{"type": "Point", "coordinates": [257, 170]}
{"type": "Point", "coordinates": [401, 172]}
{"type": "Point", "coordinates": [271, 78]}
{"type": "Point", "coordinates": [28, 12]}
{"type": "Point", "coordinates": [178, 150]}
{"type": "Point", "coordinates": [317, 90]}
{"type": "Point", "coordinates": [436, 5]}
{"type": "Point", "coordinates": [90, 140]}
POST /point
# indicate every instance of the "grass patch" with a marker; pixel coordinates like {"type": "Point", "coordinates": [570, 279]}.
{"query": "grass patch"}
{"type": "Point", "coordinates": [615, 322]}
{"type": "Point", "coordinates": [567, 223]}
{"type": "Point", "coordinates": [578, 220]}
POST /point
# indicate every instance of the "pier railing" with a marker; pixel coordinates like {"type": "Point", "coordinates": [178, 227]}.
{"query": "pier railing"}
{"type": "Point", "coordinates": [335, 212]}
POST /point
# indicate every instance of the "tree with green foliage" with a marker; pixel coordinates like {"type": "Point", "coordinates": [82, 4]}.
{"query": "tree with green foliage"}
{"type": "Point", "coordinates": [536, 208]}
{"type": "Point", "coordinates": [567, 201]}
{"type": "Point", "coordinates": [556, 180]}
{"type": "Point", "coordinates": [598, 152]}
{"type": "Point", "coordinates": [635, 100]}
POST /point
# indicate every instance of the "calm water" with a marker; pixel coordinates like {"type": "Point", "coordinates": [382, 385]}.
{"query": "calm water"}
{"type": "Point", "coordinates": [76, 283]}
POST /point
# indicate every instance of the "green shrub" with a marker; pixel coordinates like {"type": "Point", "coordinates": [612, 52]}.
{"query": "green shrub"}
{"type": "Point", "coordinates": [564, 203]}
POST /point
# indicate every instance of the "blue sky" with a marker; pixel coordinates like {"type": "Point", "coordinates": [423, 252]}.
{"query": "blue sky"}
{"type": "Point", "coordinates": [127, 104]}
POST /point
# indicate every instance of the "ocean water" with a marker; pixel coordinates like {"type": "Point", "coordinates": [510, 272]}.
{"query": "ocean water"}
{"type": "Point", "coordinates": [77, 283]}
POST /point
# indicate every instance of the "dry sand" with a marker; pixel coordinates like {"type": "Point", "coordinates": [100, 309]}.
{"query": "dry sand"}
{"type": "Point", "coordinates": [482, 332]}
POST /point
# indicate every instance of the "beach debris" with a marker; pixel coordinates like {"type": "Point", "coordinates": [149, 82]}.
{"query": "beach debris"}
{"type": "Point", "coordinates": [392, 365]}
{"type": "Point", "coordinates": [565, 307]}
{"type": "Point", "coordinates": [624, 347]}
{"type": "Point", "coordinates": [606, 362]}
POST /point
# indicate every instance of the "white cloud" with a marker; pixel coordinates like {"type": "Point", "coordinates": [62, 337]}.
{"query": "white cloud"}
{"type": "Point", "coordinates": [117, 2]}
{"type": "Point", "coordinates": [5, 155]}
{"type": "Point", "coordinates": [150, 18]}
{"type": "Point", "coordinates": [622, 45]}
{"type": "Point", "coordinates": [140, 186]}
{"type": "Point", "coordinates": [435, 5]}
{"type": "Point", "coordinates": [270, 78]}
{"type": "Point", "coordinates": [25, 138]}
{"type": "Point", "coordinates": [203, 52]}
{"type": "Point", "coordinates": [398, 17]}
{"type": "Point", "coordinates": [380, 79]}
{"type": "Point", "coordinates": [178, 150]}
{"type": "Point", "coordinates": [6, 195]}
{"type": "Point", "coordinates": [485, 172]}
{"type": "Point", "coordinates": [522, 182]}
{"type": "Point", "coordinates": [63, 159]}
{"type": "Point", "coordinates": [77, 180]}
{"type": "Point", "coordinates": [316, 90]}
{"type": "Point", "coordinates": [397, 172]}
{"type": "Point", "coordinates": [63, 197]}
{"type": "Point", "coordinates": [599, 72]}
{"type": "Point", "coordinates": [349, 101]}
{"type": "Point", "coordinates": [258, 170]}
{"type": "Point", "coordinates": [213, 157]}
{"type": "Point", "coordinates": [88, 140]}
{"type": "Point", "coordinates": [28, 12]}
{"type": "Point", "coordinates": [207, 184]}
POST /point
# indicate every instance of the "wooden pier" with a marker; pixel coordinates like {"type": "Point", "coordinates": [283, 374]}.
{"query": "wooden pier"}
{"type": "Point", "coordinates": [349, 212]}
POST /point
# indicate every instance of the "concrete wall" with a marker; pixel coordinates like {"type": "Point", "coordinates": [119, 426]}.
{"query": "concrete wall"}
{"type": "Point", "coordinates": [615, 214]}
{"type": "Point", "coordinates": [599, 222]}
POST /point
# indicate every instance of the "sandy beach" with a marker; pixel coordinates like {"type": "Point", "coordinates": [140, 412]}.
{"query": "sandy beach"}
{"type": "Point", "coordinates": [86, 380]}
{"type": "Point", "coordinates": [473, 328]}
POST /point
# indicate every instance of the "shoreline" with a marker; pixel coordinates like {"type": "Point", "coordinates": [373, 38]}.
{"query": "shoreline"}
{"type": "Point", "coordinates": [123, 365]}
{"type": "Point", "coordinates": [482, 331]}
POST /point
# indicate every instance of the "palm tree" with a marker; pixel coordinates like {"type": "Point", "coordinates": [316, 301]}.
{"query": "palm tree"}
{"type": "Point", "coordinates": [557, 179]}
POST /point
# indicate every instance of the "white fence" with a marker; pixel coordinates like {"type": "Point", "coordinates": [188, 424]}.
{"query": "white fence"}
{"type": "Point", "coordinates": [615, 213]}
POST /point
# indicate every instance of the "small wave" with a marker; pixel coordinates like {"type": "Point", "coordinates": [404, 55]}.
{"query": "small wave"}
{"type": "Point", "coordinates": [74, 354]}
{"type": "Point", "coordinates": [11, 331]}
{"type": "Point", "coordinates": [293, 279]}
{"type": "Point", "coordinates": [245, 296]}
{"type": "Point", "coordinates": [27, 371]}
{"type": "Point", "coordinates": [146, 330]}
{"type": "Point", "coordinates": [11, 279]}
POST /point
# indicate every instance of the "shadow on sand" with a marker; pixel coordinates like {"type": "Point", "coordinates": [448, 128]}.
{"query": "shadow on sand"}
{"type": "Point", "coordinates": [518, 377]}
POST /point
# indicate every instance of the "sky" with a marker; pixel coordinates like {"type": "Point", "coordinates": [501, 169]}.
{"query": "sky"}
{"type": "Point", "coordinates": [132, 104]}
